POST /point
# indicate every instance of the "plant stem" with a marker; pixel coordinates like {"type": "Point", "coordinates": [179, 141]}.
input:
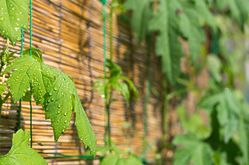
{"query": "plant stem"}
{"type": "Point", "coordinates": [164, 110]}
{"type": "Point", "coordinates": [108, 103]}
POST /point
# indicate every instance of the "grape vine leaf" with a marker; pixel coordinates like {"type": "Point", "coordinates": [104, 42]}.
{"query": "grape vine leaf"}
{"type": "Point", "coordinates": [168, 46]}
{"type": "Point", "coordinates": [20, 152]}
{"type": "Point", "coordinates": [55, 91]}
{"type": "Point", "coordinates": [192, 151]}
{"type": "Point", "coordinates": [13, 17]}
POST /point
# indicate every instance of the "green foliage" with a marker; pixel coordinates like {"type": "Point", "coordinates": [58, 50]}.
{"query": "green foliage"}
{"type": "Point", "coordinates": [193, 123]}
{"type": "Point", "coordinates": [6, 57]}
{"type": "Point", "coordinates": [167, 43]}
{"type": "Point", "coordinates": [116, 81]}
{"type": "Point", "coordinates": [2, 88]}
{"type": "Point", "coordinates": [118, 157]}
{"type": "Point", "coordinates": [173, 19]}
{"type": "Point", "coordinates": [117, 160]}
{"type": "Point", "coordinates": [214, 66]}
{"type": "Point", "coordinates": [238, 9]}
{"type": "Point", "coordinates": [140, 14]}
{"type": "Point", "coordinates": [228, 111]}
{"type": "Point", "coordinates": [192, 151]}
{"type": "Point", "coordinates": [221, 139]}
{"type": "Point", "coordinates": [54, 90]}
{"type": "Point", "coordinates": [21, 153]}
{"type": "Point", "coordinates": [13, 17]}
{"type": "Point", "coordinates": [193, 18]}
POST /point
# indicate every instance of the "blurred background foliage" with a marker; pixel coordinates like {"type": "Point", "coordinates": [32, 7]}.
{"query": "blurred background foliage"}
{"type": "Point", "coordinates": [203, 47]}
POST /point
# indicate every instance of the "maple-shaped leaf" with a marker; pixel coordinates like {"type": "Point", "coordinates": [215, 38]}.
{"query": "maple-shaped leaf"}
{"type": "Point", "coordinates": [168, 46]}
{"type": "Point", "coordinates": [55, 90]}
{"type": "Point", "coordinates": [26, 72]}
{"type": "Point", "coordinates": [140, 15]}
{"type": "Point", "coordinates": [13, 17]}
{"type": "Point", "coordinates": [192, 151]}
{"type": "Point", "coordinates": [21, 153]}
{"type": "Point", "coordinates": [228, 111]}
{"type": "Point", "coordinates": [59, 104]}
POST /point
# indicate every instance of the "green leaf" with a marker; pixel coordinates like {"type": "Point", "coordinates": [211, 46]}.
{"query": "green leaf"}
{"type": "Point", "coordinates": [115, 159]}
{"type": "Point", "coordinates": [168, 47]}
{"type": "Point", "coordinates": [21, 153]}
{"type": "Point", "coordinates": [231, 5]}
{"type": "Point", "coordinates": [6, 57]}
{"type": "Point", "coordinates": [13, 17]}
{"type": "Point", "coordinates": [60, 102]}
{"type": "Point", "coordinates": [244, 141]}
{"type": "Point", "coordinates": [214, 67]}
{"type": "Point", "coordinates": [194, 123]}
{"type": "Point", "coordinates": [132, 160]}
{"type": "Point", "coordinates": [192, 151]}
{"type": "Point", "coordinates": [140, 15]}
{"type": "Point", "coordinates": [204, 13]}
{"type": "Point", "coordinates": [191, 29]}
{"type": "Point", "coordinates": [83, 126]}
{"type": "Point", "coordinates": [3, 87]}
{"type": "Point", "coordinates": [55, 90]}
{"type": "Point", "coordinates": [228, 111]}
{"type": "Point", "coordinates": [123, 89]}
{"type": "Point", "coordinates": [110, 160]}
{"type": "Point", "coordinates": [24, 72]}
{"type": "Point", "coordinates": [116, 81]}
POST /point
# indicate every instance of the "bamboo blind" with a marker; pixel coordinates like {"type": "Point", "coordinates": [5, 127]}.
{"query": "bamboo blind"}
{"type": "Point", "coordinates": [69, 32]}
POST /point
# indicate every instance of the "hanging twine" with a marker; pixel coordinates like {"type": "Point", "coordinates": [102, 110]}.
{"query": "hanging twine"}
{"type": "Point", "coordinates": [20, 101]}
{"type": "Point", "coordinates": [30, 53]}
{"type": "Point", "coordinates": [104, 14]}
